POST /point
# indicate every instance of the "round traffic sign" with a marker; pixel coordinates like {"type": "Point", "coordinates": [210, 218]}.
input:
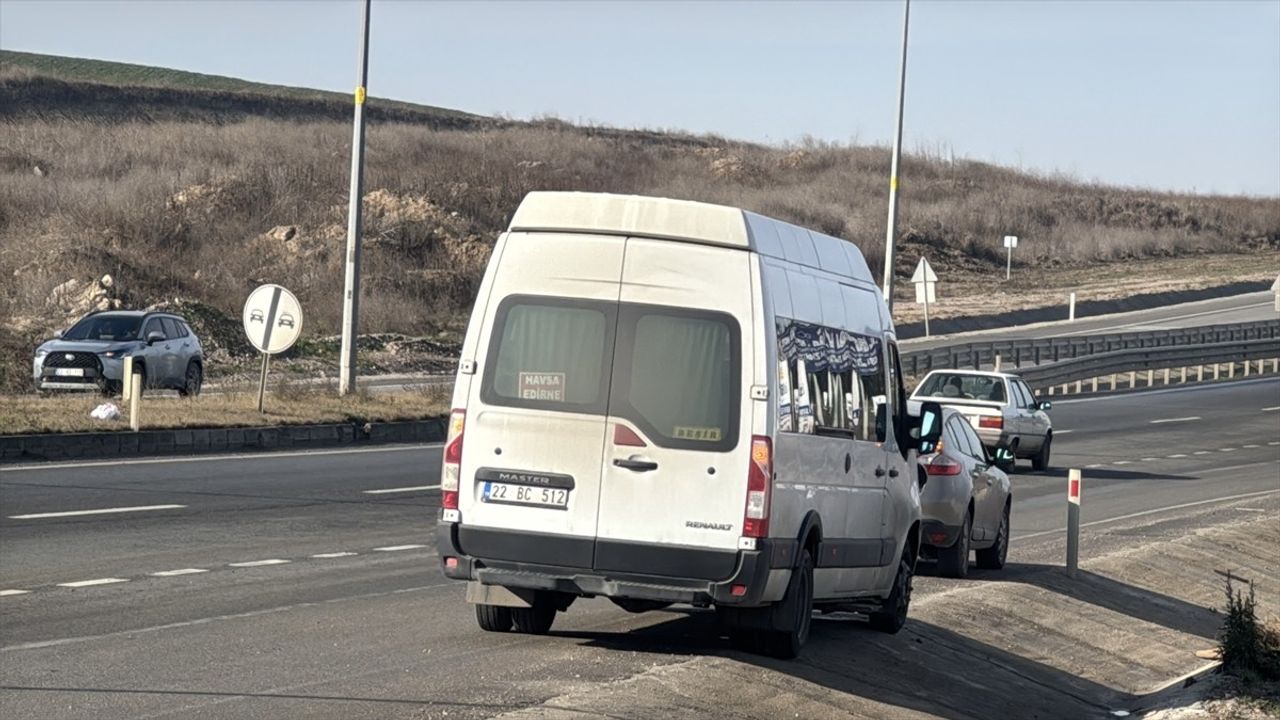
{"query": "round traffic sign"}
{"type": "Point", "coordinates": [272, 319]}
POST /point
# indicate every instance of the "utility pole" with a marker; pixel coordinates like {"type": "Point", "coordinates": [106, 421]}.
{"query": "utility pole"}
{"type": "Point", "coordinates": [893, 171]}
{"type": "Point", "coordinates": [351, 286]}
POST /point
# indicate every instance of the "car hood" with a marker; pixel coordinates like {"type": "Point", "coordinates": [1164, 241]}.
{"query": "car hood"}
{"type": "Point", "coordinates": [93, 346]}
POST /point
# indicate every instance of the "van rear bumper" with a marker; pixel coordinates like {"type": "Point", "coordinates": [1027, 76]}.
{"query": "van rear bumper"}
{"type": "Point", "coordinates": [669, 574]}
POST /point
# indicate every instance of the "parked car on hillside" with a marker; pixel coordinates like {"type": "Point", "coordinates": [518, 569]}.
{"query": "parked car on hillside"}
{"type": "Point", "coordinates": [1000, 406]}
{"type": "Point", "coordinates": [90, 355]}
{"type": "Point", "coordinates": [965, 504]}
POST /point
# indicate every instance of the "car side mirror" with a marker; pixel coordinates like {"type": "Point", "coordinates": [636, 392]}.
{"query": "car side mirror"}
{"type": "Point", "coordinates": [927, 427]}
{"type": "Point", "coordinates": [154, 337]}
{"type": "Point", "coordinates": [1044, 405]}
{"type": "Point", "coordinates": [57, 334]}
{"type": "Point", "coordinates": [1004, 455]}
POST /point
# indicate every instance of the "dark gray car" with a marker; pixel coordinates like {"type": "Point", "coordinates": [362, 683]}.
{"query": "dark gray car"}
{"type": "Point", "coordinates": [90, 355]}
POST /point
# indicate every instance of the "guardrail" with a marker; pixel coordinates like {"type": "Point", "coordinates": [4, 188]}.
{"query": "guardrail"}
{"type": "Point", "coordinates": [1060, 375]}
{"type": "Point", "coordinates": [1016, 353]}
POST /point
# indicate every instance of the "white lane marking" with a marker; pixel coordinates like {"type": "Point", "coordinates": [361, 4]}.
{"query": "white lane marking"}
{"type": "Point", "coordinates": [1250, 446]}
{"type": "Point", "coordinates": [259, 563]}
{"type": "Point", "coordinates": [1274, 442]}
{"type": "Point", "coordinates": [1227, 384]}
{"type": "Point", "coordinates": [1149, 459]}
{"type": "Point", "coordinates": [1176, 455]}
{"type": "Point", "coordinates": [183, 571]}
{"type": "Point", "coordinates": [394, 548]}
{"type": "Point", "coordinates": [384, 491]}
{"type": "Point", "coordinates": [1181, 419]}
{"type": "Point", "coordinates": [1122, 462]}
{"type": "Point", "coordinates": [87, 583]}
{"type": "Point", "coordinates": [1152, 511]}
{"type": "Point", "coordinates": [325, 556]}
{"type": "Point", "coordinates": [1094, 465]}
{"type": "Point", "coordinates": [1273, 408]}
{"type": "Point", "coordinates": [1200, 452]}
{"type": "Point", "coordinates": [216, 457]}
{"type": "Point", "coordinates": [1062, 432]}
{"type": "Point", "coordinates": [1226, 449]}
{"type": "Point", "coordinates": [7, 593]}
{"type": "Point", "coordinates": [103, 511]}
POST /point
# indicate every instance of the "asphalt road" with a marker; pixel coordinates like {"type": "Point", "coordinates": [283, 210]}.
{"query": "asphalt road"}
{"type": "Point", "coordinates": [1250, 307]}
{"type": "Point", "coordinates": [306, 584]}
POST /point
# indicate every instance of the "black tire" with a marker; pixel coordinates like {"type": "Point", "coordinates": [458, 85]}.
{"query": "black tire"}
{"type": "Point", "coordinates": [534, 620]}
{"type": "Point", "coordinates": [1040, 462]}
{"type": "Point", "coordinates": [953, 562]}
{"type": "Point", "coordinates": [994, 557]}
{"type": "Point", "coordinates": [791, 618]}
{"type": "Point", "coordinates": [493, 618]}
{"type": "Point", "coordinates": [192, 381]}
{"type": "Point", "coordinates": [893, 613]}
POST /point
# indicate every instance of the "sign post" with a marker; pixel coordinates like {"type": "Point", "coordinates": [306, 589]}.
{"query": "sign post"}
{"type": "Point", "coordinates": [1010, 242]}
{"type": "Point", "coordinates": [1073, 521]}
{"type": "Point", "coordinates": [925, 280]}
{"type": "Point", "coordinates": [272, 322]}
{"type": "Point", "coordinates": [1275, 288]}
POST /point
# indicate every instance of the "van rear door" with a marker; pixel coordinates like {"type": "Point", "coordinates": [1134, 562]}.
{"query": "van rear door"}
{"type": "Point", "coordinates": [677, 452]}
{"type": "Point", "coordinates": [535, 425]}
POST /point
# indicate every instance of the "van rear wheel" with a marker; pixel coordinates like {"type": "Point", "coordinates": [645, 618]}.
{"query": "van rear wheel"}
{"type": "Point", "coordinates": [493, 618]}
{"type": "Point", "coordinates": [535, 620]}
{"type": "Point", "coordinates": [789, 619]}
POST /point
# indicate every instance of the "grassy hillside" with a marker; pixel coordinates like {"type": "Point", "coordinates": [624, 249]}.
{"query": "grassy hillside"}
{"type": "Point", "coordinates": [197, 188]}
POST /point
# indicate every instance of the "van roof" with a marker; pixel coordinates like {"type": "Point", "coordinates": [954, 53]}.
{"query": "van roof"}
{"type": "Point", "coordinates": [688, 221]}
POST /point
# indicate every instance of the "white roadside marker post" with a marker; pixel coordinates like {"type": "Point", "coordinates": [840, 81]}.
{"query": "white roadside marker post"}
{"type": "Point", "coordinates": [1073, 521]}
{"type": "Point", "coordinates": [1071, 314]}
{"type": "Point", "coordinates": [131, 392]}
{"type": "Point", "coordinates": [1010, 242]}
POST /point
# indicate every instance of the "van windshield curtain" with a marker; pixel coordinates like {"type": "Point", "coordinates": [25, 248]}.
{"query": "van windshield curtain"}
{"type": "Point", "coordinates": [551, 354]}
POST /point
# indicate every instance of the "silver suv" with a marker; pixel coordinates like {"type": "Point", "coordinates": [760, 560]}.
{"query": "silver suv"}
{"type": "Point", "coordinates": [90, 355]}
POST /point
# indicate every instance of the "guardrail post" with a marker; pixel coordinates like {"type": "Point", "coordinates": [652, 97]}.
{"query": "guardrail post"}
{"type": "Point", "coordinates": [1151, 378]}
{"type": "Point", "coordinates": [1231, 369]}
{"type": "Point", "coordinates": [1080, 384]}
{"type": "Point", "coordinates": [1199, 373]}
{"type": "Point", "coordinates": [1073, 521]}
{"type": "Point", "coordinates": [1133, 379]}
{"type": "Point", "coordinates": [1247, 363]}
{"type": "Point", "coordinates": [1184, 374]}
{"type": "Point", "coordinates": [1275, 365]}
{"type": "Point", "coordinates": [1166, 376]}
{"type": "Point", "coordinates": [1217, 370]}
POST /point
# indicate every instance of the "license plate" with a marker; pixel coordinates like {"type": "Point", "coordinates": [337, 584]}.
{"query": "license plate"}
{"type": "Point", "coordinates": [511, 494]}
{"type": "Point", "coordinates": [69, 372]}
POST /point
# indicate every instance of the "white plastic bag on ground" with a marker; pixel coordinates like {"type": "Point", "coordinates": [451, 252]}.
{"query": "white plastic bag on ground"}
{"type": "Point", "coordinates": [105, 411]}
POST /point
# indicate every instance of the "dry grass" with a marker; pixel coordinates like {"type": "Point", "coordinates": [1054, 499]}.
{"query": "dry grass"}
{"type": "Point", "coordinates": [179, 208]}
{"type": "Point", "coordinates": [288, 406]}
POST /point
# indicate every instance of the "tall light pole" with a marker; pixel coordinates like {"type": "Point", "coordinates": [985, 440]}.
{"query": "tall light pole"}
{"type": "Point", "coordinates": [351, 286]}
{"type": "Point", "coordinates": [891, 231]}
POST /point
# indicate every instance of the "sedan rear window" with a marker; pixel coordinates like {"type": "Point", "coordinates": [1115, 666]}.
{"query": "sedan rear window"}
{"type": "Point", "coordinates": [963, 386]}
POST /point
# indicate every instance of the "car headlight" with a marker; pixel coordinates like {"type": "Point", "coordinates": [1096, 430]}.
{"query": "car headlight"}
{"type": "Point", "coordinates": [40, 353]}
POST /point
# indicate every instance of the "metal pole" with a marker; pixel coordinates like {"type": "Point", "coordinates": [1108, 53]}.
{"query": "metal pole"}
{"type": "Point", "coordinates": [1072, 315]}
{"type": "Point", "coordinates": [891, 230]}
{"type": "Point", "coordinates": [351, 286]}
{"type": "Point", "coordinates": [926, 309]}
{"type": "Point", "coordinates": [1008, 261]}
{"type": "Point", "coordinates": [262, 381]}
{"type": "Point", "coordinates": [1073, 521]}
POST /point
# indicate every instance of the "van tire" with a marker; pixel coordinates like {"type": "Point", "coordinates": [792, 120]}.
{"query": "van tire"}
{"type": "Point", "coordinates": [493, 618]}
{"type": "Point", "coordinates": [953, 562]}
{"type": "Point", "coordinates": [892, 615]}
{"type": "Point", "coordinates": [535, 620]}
{"type": "Point", "coordinates": [790, 618]}
{"type": "Point", "coordinates": [993, 558]}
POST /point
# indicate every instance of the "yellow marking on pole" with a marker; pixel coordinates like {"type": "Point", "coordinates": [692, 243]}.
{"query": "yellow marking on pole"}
{"type": "Point", "coordinates": [360, 94]}
{"type": "Point", "coordinates": [893, 183]}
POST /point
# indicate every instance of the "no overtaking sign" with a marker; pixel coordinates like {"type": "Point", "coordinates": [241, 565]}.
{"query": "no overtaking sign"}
{"type": "Point", "coordinates": [272, 319]}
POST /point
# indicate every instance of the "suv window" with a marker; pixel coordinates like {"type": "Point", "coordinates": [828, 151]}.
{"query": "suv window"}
{"type": "Point", "coordinates": [836, 379]}
{"type": "Point", "coordinates": [153, 325]}
{"type": "Point", "coordinates": [172, 328]}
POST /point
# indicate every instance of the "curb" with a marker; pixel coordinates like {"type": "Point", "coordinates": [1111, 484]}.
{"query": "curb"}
{"type": "Point", "coordinates": [198, 441]}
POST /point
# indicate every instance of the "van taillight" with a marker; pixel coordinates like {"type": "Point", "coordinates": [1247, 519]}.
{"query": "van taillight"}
{"type": "Point", "coordinates": [991, 421]}
{"type": "Point", "coordinates": [452, 461]}
{"type": "Point", "coordinates": [755, 522]}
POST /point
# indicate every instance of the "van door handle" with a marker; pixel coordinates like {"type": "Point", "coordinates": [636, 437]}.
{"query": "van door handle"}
{"type": "Point", "coordinates": [893, 472]}
{"type": "Point", "coordinates": [879, 472]}
{"type": "Point", "coordinates": [635, 465]}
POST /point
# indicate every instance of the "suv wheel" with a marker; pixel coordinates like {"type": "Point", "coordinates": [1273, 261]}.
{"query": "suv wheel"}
{"type": "Point", "coordinates": [1040, 461]}
{"type": "Point", "coordinates": [193, 380]}
{"type": "Point", "coordinates": [953, 562]}
{"type": "Point", "coordinates": [993, 558]}
{"type": "Point", "coordinates": [893, 613]}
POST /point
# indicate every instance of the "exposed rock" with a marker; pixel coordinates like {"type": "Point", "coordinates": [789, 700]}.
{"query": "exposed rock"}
{"type": "Point", "coordinates": [794, 159]}
{"type": "Point", "coordinates": [74, 299]}
{"type": "Point", "coordinates": [282, 233]}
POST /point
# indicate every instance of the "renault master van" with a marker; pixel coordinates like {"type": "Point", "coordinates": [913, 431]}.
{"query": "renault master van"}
{"type": "Point", "coordinates": [662, 401]}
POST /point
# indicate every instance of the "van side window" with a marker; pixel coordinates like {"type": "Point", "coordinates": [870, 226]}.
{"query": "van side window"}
{"type": "Point", "coordinates": [836, 379]}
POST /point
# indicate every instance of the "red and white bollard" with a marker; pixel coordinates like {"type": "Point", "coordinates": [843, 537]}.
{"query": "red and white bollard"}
{"type": "Point", "coordinates": [1073, 521]}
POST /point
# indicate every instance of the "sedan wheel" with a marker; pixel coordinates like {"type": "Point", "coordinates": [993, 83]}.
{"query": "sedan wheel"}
{"type": "Point", "coordinates": [994, 557]}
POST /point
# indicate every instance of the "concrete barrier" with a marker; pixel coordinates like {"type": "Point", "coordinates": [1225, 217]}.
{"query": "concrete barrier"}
{"type": "Point", "coordinates": [195, 441]}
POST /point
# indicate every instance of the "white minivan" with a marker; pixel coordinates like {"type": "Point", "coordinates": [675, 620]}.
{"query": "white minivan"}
{"type": "Point", "coordinates": [661, 401]}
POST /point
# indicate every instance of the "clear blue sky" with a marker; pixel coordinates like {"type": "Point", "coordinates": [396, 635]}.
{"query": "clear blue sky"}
{"type": "Point", "coordinates": [1170, 95]}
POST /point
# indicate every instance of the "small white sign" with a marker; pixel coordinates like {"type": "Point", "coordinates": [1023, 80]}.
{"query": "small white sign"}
{"type": "Point", "coordinates": [272, 319]}
{"type": "Point", "coordinates": [924, 272]}
{"type": "Point", "coordinates": [925, 292]}
{"type": "Point", "coordinates": [1011, 241]}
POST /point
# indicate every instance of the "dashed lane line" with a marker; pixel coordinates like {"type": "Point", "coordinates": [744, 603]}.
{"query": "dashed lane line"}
{"type": "Point", "coordinates": [326, 556]}
{"type": "Point", "coordinates": [182, 571]}
{"type": "Point", "coordinates": [90, 583]}
{"type": "Point", "coordinates": [1189, 418]}
{"type": "Point", "coordinates": [8, 593]}
{"type": "Point", "coordinates": [220, 457]}
{"type": "Point", "coordinates": [1176, 456]}
{"type": "Point", "coordinates": [417, 488]}
{"type": "Point", "coordinates": [1200, 452]}
{"type": "Point", "coordinates": [397, 548]}
{"type": "Point", "coordinates": [100, 511]}
{"type": "Point", "coordinates": [1273, 408]}
{"type": "Point", "coordinates": [1226, 449]}
{"type": "Point", "coordinates": [259, 563]}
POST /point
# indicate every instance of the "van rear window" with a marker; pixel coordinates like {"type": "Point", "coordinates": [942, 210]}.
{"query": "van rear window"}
{"type": "Point", "coordinates": [673, 372]}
